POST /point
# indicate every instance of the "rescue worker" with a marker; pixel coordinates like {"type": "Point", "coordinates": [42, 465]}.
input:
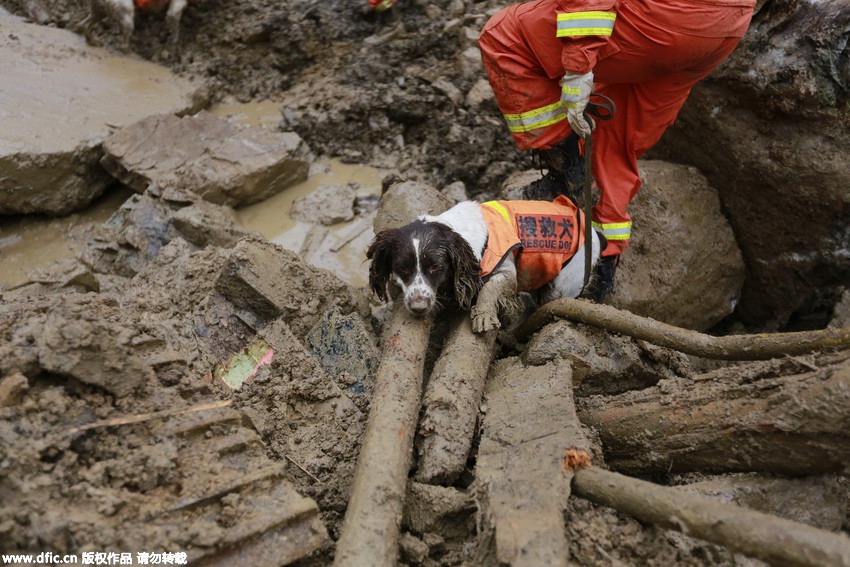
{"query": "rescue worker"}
{"type": "Point", "coordinates": [381, 5]}
{"type": "Point", "coordinates": [544, 58]}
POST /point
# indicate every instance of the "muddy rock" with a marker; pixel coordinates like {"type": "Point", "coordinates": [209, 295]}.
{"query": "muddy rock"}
{"type": "Point", "coordinates": [346, 349]}
{"type": "Point", "coordinates": [12, 388]}
{"type": "Point", "coordinates": [130, 238]}
{"type": "Point", "coordinates": [683, 265]}
{"type": "Point", "coordinates": [207, 155]}
{"type": "Point", "coordinates": [205, 224]}
{"type": "Point", "coordinates": [329, 204]}
{"type": "Point", "coordinates": [77, 336]}
{"type": "Point", "coordinates": [841, 315]}
{"type": "Point", "coordinates": [54, 121]}
{"type": "Point", "coordinates": [274, 283]}
{"type": "Point", "coordinates": [768, 129]}
{"type": "Point", "coordinates": [307, 421]}
{"type": "Point", "coordinates": [407, 200]}
{"type": "Point", "coordinates": [604, 363]}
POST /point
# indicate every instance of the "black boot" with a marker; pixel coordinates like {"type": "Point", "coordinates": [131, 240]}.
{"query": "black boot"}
{"type": "Point", "coordinates": [603, 284]}
{"type": "Point", "coordinates": [565, 175]}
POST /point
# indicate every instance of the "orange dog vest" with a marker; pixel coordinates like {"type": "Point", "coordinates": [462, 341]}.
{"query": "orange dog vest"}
{"type": "Point", "coordinates": [543, 235]}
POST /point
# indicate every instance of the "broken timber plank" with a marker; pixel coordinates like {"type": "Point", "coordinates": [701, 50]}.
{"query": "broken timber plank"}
{"type": "Point", "coordinates": [523, 486]}
{"type": "Point", "coordinates": [451, 401]}
{"type": "Point", "coordinates": [794, 424]}
{"type": "Point", "coordinates": [772, 539]}
{"type": "Point", "coordinates": [372, 524]}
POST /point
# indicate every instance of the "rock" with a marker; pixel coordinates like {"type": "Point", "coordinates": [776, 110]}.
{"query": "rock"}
{"type": "Point", "coordinates": [206, 224]}
{"type": "Point", "coordinates": [60, 100]}
{"type": "Point", "coordinates": [131, 237]}
{"type": "Point", "coordinates": [430, 508]}
{"type": "Point", "coordinates": [768, 129]}
{"type": "Point", "coordinates": [210, 156]}
{"type": "Point", "coordinates": [405, 201]}
{"type": "Point", "coordinates": [327, 205]}
{"type": "Point", "coordinates": [480, 94]}
{"type": "Point", "coordinates": [12, 387]}
{"type": "Point", "coordinates": [456, 192]}
{"type": "Point", "coordinates": [271, 282]}
{"type": "Point", "coordinates": [841, 314]}
{"type": "Point", "coordinates": [683, 265]}
{"type": "Point", "coordinates": [604, 363]}
{"type": "Point", "coordinates": [512, 188]}
{"type": "Point", "coordinates": [448, 89]}
{"type": "Point", "coordinates": [413, 550]}
{"type": "Point", "coordinates": [344, 347]}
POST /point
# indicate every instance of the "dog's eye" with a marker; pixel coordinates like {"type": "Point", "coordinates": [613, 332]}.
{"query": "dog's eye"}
{"type": "Point", "coordinates": [402, 271]}
{"type": "Point", "coordinates": [434, 268]}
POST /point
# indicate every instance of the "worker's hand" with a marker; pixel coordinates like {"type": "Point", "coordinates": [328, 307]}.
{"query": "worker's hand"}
{"type": "Point", "coordinates": [575, 93]}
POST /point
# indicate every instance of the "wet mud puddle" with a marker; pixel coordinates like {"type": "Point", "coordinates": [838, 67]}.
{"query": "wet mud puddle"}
{"type": "Point", "coordinates": [29, 244]}
{"type": "Point", "coordinates": [339, 248]}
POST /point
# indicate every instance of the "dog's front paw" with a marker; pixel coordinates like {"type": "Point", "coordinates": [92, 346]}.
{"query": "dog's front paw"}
{"type": "Point", "coordinates": [484, 320]}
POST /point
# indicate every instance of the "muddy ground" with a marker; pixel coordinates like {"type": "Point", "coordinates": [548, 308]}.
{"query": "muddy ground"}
{"type": "Point", "coordinates": [149, 319]}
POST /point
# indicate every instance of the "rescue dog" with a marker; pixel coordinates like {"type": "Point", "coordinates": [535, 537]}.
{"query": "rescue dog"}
{"type": "Point", "coordinates": [478, 256]}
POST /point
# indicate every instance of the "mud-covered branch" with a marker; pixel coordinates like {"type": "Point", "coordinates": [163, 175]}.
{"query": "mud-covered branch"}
{"type": "Point", "coordinates": [451, 401]}
{"type": "Point", "coordinates": [371, 528]}
{"type": "Point", "coordinates": [769, 538]}
{"type": "Point", "coordinates": [732, 347]}
{"type": "Point", "coordinates": [793, 424]}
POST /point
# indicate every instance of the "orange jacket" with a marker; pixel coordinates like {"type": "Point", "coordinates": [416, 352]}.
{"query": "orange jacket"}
{"type": "Point", "coordinates": [151, 6]}
{"type": "Point", "coordinates": [645, 55]}
{"type": "Point", "coordinates": [544, 236]}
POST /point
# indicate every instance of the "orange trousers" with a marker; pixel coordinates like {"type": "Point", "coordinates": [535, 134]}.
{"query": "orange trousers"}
{"type": "Point", "coordinates": [656, 53]}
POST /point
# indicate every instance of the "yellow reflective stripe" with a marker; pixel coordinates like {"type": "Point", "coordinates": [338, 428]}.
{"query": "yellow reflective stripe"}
{"type": "Point", "coordinates": [385, 5]}
{"type": "Point", "coordinates": [499, 208]}
{"type": "Point", "coordinates": [585, 23]}
{"type": "Point", "coordinates": [571, 96]}
{"type": "Point", "coordinates": [615, 230]}
{"type": "Point", "coordinates": [537, 118]}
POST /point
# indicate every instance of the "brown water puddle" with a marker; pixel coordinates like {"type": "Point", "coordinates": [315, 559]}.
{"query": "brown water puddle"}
{"type": "Point", "coordinates": [340, 248]}
{"type": "Point", "coordinates": [29, 244]}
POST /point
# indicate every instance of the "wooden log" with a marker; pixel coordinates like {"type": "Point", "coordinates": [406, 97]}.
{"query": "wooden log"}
{"type": "Point", "coordinates": [451, 401]}
{"type": "Point", "coordinates": [521, 482]}
{"type": "Point", "coordinates": [791, 424]}
{"type": "Point", "coordinates": [372, 524]}
{"type": "Point", "coordinates": [775, 540]}
{"type": "Point", "coordinates": [731, 347]}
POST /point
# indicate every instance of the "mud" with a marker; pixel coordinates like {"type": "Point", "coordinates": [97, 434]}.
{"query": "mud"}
{"type": "Point", "coordinates": [158, 292]}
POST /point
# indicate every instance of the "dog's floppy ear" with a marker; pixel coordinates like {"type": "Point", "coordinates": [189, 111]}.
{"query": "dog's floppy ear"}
{"type": "Point", "coordinates": [380, 252]}
{"type": "Point", "coordinates": [467, 273]}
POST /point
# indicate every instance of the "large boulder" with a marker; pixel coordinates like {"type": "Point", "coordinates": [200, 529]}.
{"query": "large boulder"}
{"type": "Point", "coordinates": [59, 99]}
{"type": "Point", "coordinates": [683, 265]}
{"type": "Point", "coordinates": [769, 130]}
{"type": "Point", "coordinates": [222, 162]}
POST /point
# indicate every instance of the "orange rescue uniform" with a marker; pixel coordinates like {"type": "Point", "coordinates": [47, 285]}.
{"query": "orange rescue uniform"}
{"type": "Point", "coordinates": [645, 55]}
{"type": "Point", "coordinates": [151, 6]}
{"type": "Point", "coordinates": [543, 235]}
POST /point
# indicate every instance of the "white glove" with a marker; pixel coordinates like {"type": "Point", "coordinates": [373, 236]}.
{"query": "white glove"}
{"type": "Point", "coordinates": [575, 93]}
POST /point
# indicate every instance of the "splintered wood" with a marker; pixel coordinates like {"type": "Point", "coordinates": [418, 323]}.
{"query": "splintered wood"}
{"type": "Point", "coordinates": [794, 424]}
{"type": "Point", "coordinates": [523, 484]}
{"type": "Point", "coordinates": [451, 401]}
